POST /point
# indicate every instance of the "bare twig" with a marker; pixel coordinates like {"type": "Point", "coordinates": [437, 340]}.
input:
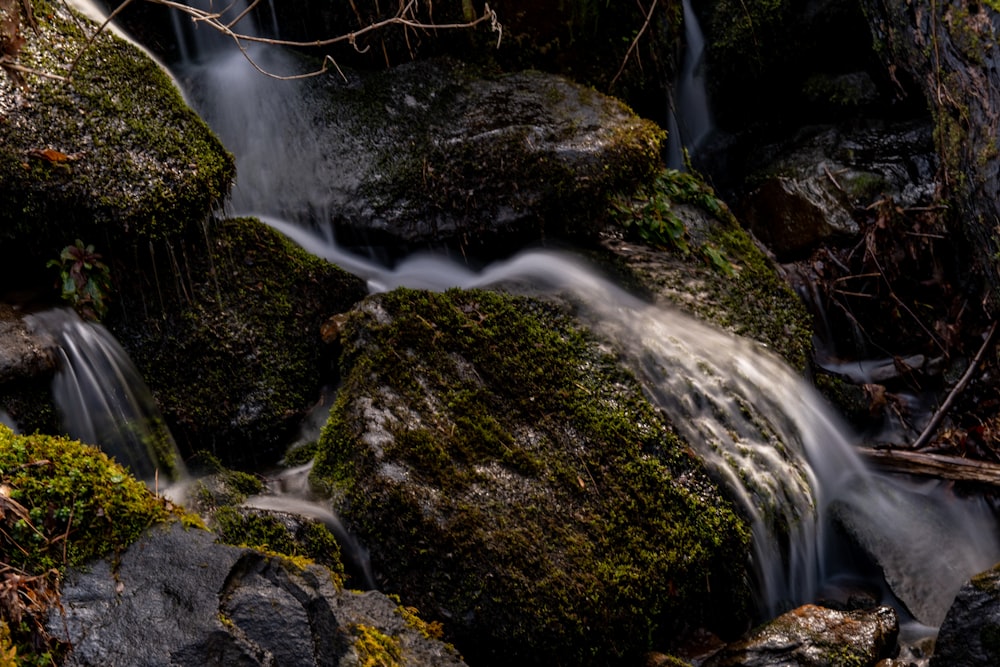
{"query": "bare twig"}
{"type": "Point", "coordinates": [931, 427]}
{"type": "Point", "coordinates": [7, 63]}
{"type": "Point", "coordinates": [404, 17]}
{"type": "Point", "coordinates": [634, 45]}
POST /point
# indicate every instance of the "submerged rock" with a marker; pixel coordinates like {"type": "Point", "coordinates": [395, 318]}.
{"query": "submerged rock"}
{"type": "Point", "coordinates": [178, 597]}
{"type": "Point", "coordinates": [812, 636]}
{"type": "Point", "coordinates": [970, 634]}
{"type": "Point", "coordinates": [509, 478]}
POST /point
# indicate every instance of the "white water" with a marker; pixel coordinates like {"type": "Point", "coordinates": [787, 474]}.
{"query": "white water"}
{"type": "Point", "coordinates": [690, 120]}
{"type": "Point", "coordinates": [102, 400]}
{"type": "Point", "coordinates": [761, 429]}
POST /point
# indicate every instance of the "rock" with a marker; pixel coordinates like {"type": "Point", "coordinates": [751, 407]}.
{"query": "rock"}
{"type": "Point", "coordinates": [812, 636]}
{"type": "Point", "coordinates": [439, 153]}
{"type": "Point", "coordinates": [230, 343]}
{"type": "Point", "coordinates": [178, 597]}
{"type": "Point", "coordinates": [23, 353]}
{"type": "Point", "coordinates": [970, 634]}
{"type": "Point", "coordinates": [948, 50]}
{"type": "Point", "coordinates": [512, 482]}
{"type": "Point", "coordinates": [112, 156]}
{"type": "Point", "coordinates": [792, 216]}
{"type": "Point", "coordinates": [809, 193]}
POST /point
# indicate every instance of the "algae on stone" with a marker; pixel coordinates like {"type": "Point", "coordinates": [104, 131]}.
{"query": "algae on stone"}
{"type": "Point", "coordinates": [511, 481]}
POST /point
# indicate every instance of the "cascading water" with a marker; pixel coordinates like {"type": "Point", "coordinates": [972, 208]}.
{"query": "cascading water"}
{"type": "Point", "coordinates": [690, 120]}
{"type": "Point", "coordinates": [102, 399]}
{"type": "Point", "coordinates": [763, 431]}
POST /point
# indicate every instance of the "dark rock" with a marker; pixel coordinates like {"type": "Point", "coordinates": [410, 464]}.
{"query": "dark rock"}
{"type": "Point", "coordinates": [948, 49]}
{"type": "Point", "coordinates": [970, 634]}
{"type": "Point", "coordinates": [812, 636]}
{"type": "Point", "coordinates": [176, 597]}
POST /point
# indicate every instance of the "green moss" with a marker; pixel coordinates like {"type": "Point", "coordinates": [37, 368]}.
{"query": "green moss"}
{"type": "Point", "coordinates": [231, 344]}
{"type": "Point", "coordinates": [310, 542]}
{"type": "Point", "coordinates": [61, 504]}
{"type": "Point", "coordinates": [128, 156]}
{"type": "Point", "coordinates": [547, 504]}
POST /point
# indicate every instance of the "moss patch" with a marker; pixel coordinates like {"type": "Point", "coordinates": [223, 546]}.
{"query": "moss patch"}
{"type": "Point", "coordinates": [511, 481]}
{"type": "Point", "coordinates": [62, 504]}
{"type": "Point", "coordinates": [230, 342]}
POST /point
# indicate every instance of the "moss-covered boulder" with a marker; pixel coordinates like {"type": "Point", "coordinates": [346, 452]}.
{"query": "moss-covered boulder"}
{"type": "Point", "coordinates": [511, 481]}
{"type": "Point", "coordinates": [106, 150]}
{"type": "Point", "coordinates": [227, 335]}
{"type": "Point", "coordinates": [441, 153]}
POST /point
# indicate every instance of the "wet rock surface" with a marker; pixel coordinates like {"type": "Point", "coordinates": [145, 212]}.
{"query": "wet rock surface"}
{"type": "Point", "coordinates": [24, 354]}
{"type": "Point", "coordinates": [177, 597]}
{"type": "Point", "coordinates": [813, 636]}
{"type": "Point", "coordinates": [970, 634]}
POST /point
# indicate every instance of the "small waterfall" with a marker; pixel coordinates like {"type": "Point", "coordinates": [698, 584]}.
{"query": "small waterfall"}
{"type": "Point", "coordinates": [762, 430]}
{"type": "Point", "coordinates": [690, 120]}
{"type": "Point", "coordinates": [260, 119]}
{"type": "Point", "coordinates": [102, 400]}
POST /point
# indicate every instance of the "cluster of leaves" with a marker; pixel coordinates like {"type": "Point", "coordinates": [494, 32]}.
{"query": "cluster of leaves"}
{"type": "Point", "coordinates": [649, 214]}
{"type": "Point", "coordinates": [61, 503]}
{"type": "Point", "coordinates": [84, 279]}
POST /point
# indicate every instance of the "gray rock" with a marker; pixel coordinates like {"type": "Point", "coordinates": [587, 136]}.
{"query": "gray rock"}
{"type": "Point", "coordinates": [815, 637]}
{"type": "Point", "coordinates": [177, 597]}
{"type": "Point", "coordinates": [970, 634]}
{"type": "Point", "coordinates": [24, 354]}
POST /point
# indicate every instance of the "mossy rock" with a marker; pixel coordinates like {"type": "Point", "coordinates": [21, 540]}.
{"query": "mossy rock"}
{"type": "Point", "coordinates": [112, 153]}
{"type": "Point", "coordinates": [704, 262]}
{"type": "Point", "coordinates": [511, 481]}
{"type": "Point", "coordinates": [62, 504]}
{"type": "Point", "coordinates": [225, 329]}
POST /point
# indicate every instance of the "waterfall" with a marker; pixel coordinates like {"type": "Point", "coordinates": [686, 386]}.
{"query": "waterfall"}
{"type": "Point", "coordinates": [690, 120]}
{"type": "Point", "coordinates": [761, 429]}
{"type": "Point", "coordinates": [102, 400]}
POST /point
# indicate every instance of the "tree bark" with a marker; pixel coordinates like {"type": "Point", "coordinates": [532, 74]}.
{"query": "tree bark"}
{"type": "Point", "coordinates": [934, 465]}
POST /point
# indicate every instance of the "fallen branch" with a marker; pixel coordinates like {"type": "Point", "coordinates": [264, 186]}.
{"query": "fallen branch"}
{"type": "Point", "coordinates": [939, 466]}
{"type": "Point", "coordinates": [932, 425]}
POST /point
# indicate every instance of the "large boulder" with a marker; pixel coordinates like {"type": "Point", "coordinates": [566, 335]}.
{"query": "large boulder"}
{"type": "Point", "coordinates": [431, 153]}
{"type": "Point", "coordinates": [229, 341]}
{"type": "Point", "coordinates": [970, 634]}
{"type": "Point", "coordinates": [510, 479]}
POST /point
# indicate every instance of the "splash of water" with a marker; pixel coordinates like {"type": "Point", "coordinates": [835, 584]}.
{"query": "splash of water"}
{"type": "Point", "coordinates": [102, 399]}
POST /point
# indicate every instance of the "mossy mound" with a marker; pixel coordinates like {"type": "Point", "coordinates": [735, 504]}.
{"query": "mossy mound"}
{"type": "Point", "coordinates": [227, 335]}
{"type": "Point", "coordinates": [113, 152]}
{"type": "Point", "coordinates": [510, 480]}
{"type": "Point", "coordinates": [61, 504]}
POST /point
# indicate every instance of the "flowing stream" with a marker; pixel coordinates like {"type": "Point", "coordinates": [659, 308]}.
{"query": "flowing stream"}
{"type": "Point", "coordinates": [689, 122]}
{"type": "Point", "coordinates": [762, 430]}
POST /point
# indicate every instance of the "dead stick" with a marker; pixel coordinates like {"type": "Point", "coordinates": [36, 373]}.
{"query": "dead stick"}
{"type": "Point", "coordinates": [931, 427]}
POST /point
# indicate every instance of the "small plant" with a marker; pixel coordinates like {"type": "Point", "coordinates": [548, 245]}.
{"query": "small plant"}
{"type": "Point", "coordinates": [85, 280]}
